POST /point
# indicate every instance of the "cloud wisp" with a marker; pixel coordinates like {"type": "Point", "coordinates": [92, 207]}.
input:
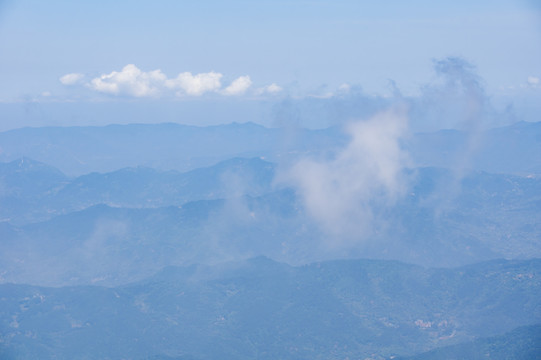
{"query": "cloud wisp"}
{"type": "Point", "coordinates": [71, 79]}
{"type": "Point", "coordinates": [457, 99]}
{"type": "Point", "coordinates": [343, 194]}
{"type": "Point", "coordinates": [269, 89]}
{"type": "Point", "coordinates": [131, 81]}
{"type": "Point", "coordinates": [533, 82]}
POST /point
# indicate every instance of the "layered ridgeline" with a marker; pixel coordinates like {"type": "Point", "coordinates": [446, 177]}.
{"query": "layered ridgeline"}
{"type": "Point", "coordinates": [261, 309]}
{"type": "Point", "coordinates": [81, 150]}
{"type": "Point", "coordinates": [112, 228]}
{"type": "Point", "coordinates": [103, 227]}
{"type": "Point", "coordinates": [32, 191]}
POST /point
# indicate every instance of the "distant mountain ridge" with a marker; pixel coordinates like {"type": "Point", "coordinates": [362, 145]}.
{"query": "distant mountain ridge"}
{"type": "Point", "coordinates": [38, 191]}
{"type": "Point", "coordinates": [510, 149]}
{"type": "Point", "coordinates": [168, 146]}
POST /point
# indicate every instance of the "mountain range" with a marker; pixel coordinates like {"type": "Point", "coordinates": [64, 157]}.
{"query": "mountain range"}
{"type": "Point", "coordinates": [76, 151]}
{"type": "Point", "coordinates": [259, 308]}
{"type": "Point", "coordinates": [134, 221]}
{"type": "Point", "coordinates": [179, 242]}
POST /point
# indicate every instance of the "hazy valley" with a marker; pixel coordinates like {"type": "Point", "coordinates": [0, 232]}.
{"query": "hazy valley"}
{"type": "Point", "coordinates": [232, 258]}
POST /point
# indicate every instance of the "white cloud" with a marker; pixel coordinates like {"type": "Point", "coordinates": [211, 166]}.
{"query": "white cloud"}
{"type": "Point", "coordinates": [130, 81]}
{"type": "Point", "coordinates": [344, 193]}
{"type": "Point", "coordinates": [269, 89]}
{"type": "Point", "coordinates": [533, 81]}
{"type": "Point", "coordinates": [238, 86]}
{"type": "Point", "coordinates": [273, 88]}
{"type": "Point", "coordinates": [326, 95]}
{"type": "Point", "coordinates": [195, 85]}
{"type": "Point", "coordinates": [71, 79]}
{"type": "Point", "coordinates": [344, 88]}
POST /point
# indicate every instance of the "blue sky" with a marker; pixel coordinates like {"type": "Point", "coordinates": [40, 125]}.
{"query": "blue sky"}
{"type": "Point", "coordinates": [258, 50]}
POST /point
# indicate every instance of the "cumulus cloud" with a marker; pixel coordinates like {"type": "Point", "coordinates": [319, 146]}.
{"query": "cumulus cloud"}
{"type": "Point", "coordinates": [195, 84]}
{"type": "Point", "coordinates": [238, 86]}
{"type": "Point", "coordinates": [130, 81]}
{"type": "Point", "coordinates": [343, 193]}
{"type": "Point", "coordinates": [71, 79]}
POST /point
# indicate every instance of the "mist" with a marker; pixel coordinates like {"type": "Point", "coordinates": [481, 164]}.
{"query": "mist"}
{"type": "Point", "coordinates": [348, 192]}
{"type": "Point", "coordinates": [334, 208]}
{"type": "Point", "coordinates": [200, 180]}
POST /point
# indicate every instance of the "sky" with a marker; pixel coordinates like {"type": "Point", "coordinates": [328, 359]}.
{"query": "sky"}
{"type": "Point", "coordinates": [206, 62]}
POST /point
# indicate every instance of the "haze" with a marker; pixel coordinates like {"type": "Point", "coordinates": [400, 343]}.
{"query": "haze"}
{"type": "Point", "coordinates": [263, 180]}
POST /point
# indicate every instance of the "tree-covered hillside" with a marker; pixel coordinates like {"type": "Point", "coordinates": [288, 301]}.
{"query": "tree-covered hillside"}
{"type": "Point", "coordinates": [267, 310]}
